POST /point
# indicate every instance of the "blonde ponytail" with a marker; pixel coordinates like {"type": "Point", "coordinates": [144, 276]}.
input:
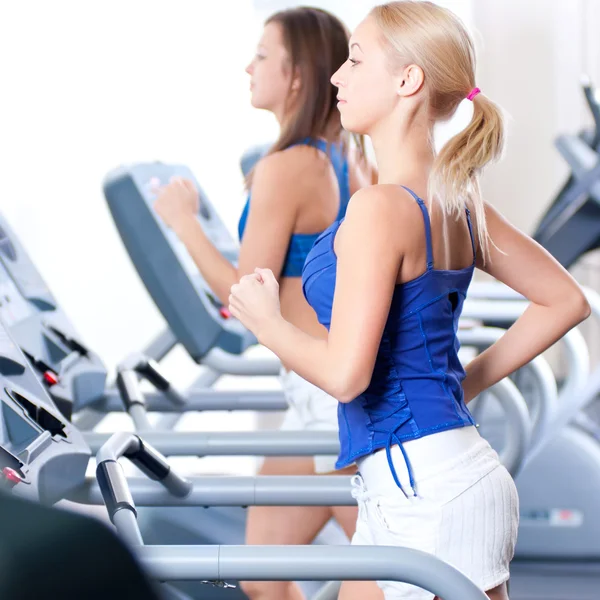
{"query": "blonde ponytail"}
{"type": "Point", "coordinates": [454, 179]}
{"type": "Point", "coordinates": [435, 39]}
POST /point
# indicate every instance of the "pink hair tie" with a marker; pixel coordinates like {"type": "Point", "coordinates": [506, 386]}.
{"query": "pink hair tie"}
{"type": "Point", "coordinates": [473, 93]}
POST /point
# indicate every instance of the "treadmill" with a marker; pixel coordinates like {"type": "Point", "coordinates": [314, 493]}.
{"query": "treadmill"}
{"type": "Point", "coordinates": [71, 373]}
{"type": "Point", "coordinates": [75, 377]}
{"type": "Point", "coordinates": [571, 226]}
{"type": "Point", "coordinates": [43, 459]}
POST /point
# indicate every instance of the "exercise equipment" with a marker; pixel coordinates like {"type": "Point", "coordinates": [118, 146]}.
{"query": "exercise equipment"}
{"type": "Point", "coordinates": [195, 316]}
{"type": "Point", "coordinates": [45, 458]}
{"type": "Point", "coordinates": [75, 377]}
{"type": "Point", "coordinates": [45, 552]}
{"type": "Point", "coordinates": [267, 562]}
{"type": "Point", "coordinates": [571, 226]}
{"type": "Point", "coordinates": [71, 373]}
{"type": "Point", "coordinates": [42, 456]}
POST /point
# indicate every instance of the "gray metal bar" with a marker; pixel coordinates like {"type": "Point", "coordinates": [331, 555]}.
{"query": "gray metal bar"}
{"type": "Point", "coordinates": [207, 378]}
{"type": "Point", "coordinates": [231, 364]}
{"type": "Point", "coordinates": [167, 421]}
{"type": "Point", "coordinates": [272, 490]}
{"type": "Point", "coordinates": [578, 367]}
{"type": "Point", "coordinates": [139, 416]}
{"type": "Point", "coordinates": [116, 445]}
{"type": "Point", "coordinates": [518, 425]}
{"type": "Point", "coordinates": [544, 409]}
{"type": "Point", "coordinates": [88, 418]}
{"type": "Point", "coordinates": [161, 345]}
{"type": "Point", "coordinates": [126, 523]}
{"type": "Point", "coordinates": [329, 591]}
{"type": "Point", "coordinates": [201, 399]}
{"type": "Point", "coordinates": [286, 563]}
{"type": "Point", "coordinates": [306, 563]}
{"type": "Point", "coordinates": [566, 412]}
{"type": "Point", "coordinates": [246, 443]}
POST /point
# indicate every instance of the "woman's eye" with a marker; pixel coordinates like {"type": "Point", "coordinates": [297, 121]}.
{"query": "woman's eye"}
{"type": "Point", "coordinates": [354, 62]}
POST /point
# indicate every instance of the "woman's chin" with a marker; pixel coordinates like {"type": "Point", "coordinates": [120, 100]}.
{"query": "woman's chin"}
{"type": "Point", "coordinates": [352, 125]}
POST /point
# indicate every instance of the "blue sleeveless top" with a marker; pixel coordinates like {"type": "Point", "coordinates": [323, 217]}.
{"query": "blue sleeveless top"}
{"type": "Point", "coordinates": [301, 243]}
{"type": "Point", "coordinates": [415, 389]}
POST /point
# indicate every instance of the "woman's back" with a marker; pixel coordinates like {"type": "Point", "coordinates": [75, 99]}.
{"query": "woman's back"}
{"type": "Point", "coordinates": [309, 186]}
{"type": "Point", "coordinates": [415, 387]}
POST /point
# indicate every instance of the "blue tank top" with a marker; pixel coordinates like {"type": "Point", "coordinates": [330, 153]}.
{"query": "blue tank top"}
{"type": "Point", "coordinates": [301, 243]}
{"type": "Point", "coordinates": [415, 389]}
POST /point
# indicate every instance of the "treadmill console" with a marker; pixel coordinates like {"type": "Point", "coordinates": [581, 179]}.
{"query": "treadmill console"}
{"type": "Point", "coordinates": [72, 374]}
{"type": "Point", "coordinates": [195, 316]}
{"type": "Point", "coordinates": [42, 456]}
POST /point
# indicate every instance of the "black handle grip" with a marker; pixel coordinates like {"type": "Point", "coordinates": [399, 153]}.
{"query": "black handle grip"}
{"type": "Point", "coordinates": [154, 465]}
{"type": "Point", "coordinates": [151, 371]}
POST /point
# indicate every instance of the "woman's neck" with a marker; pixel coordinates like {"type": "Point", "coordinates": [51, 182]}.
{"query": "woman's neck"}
{"type": "Point", "coordinates": [404, 153]}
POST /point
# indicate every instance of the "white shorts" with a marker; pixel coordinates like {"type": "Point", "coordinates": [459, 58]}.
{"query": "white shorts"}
{"type": "Point", "coordinates": [466, 511]}
{"type": "Point", "coordinates": [310, 408]}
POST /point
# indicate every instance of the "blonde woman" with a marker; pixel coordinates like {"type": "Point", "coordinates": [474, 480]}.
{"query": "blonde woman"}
{"type": "Point", "coordinates": [389, 282]}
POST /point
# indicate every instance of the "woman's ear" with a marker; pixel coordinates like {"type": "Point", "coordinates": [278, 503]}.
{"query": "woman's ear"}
{"type": "Point", "coordinates": [411, 80]}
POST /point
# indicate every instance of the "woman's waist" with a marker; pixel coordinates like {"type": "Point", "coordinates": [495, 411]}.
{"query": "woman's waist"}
{"type": "Point", "coordinates": [428, 455]}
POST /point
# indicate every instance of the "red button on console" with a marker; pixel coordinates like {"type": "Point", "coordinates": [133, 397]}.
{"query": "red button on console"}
{"type": "Point", "coordinates": [50, 378]}
{"type": "Point", "coordinates": [11, 475]}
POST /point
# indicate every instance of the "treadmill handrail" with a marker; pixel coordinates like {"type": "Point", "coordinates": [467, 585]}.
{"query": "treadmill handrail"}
{"type": "Point", "coordinates": [308, 563]}
{"type": "Point", "coordinates": [287, 563]}
{"type": "Point", "coordinates": [219, 490]}
{"type": "Point", "coordinates": [202, 400]}
{"type": "Point", "coordinates": [226, 363]}
{"type": "Point", "coordinates": [236, 443]}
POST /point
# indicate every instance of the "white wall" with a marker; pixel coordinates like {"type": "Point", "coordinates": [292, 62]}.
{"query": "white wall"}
{"type": "Point", "coordinates": [530, 61]}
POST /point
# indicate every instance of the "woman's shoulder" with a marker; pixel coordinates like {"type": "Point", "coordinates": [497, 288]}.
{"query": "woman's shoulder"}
{"type": "Point", "coordinates": [298, 170]}
{"type": "Point", "coordinates": [381, 210]}
{"type": "Point", "coordinates": [294, 159]}
{"type": "Point", "coordinates": [384, 198]}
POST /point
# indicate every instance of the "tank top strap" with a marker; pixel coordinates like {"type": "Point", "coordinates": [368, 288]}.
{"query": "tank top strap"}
{"type": "Point", "coordinates": [340, 166]}
{"type": "Point", "coordinates": [469, 223]}
{"type": "Point", "coordinates": [427, 223]}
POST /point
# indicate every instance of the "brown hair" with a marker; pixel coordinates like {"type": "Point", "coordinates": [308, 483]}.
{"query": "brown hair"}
{"type": "Point", "coordinates": [436, 40]}
{"type": "Point", "coordinates": [317, 44]}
